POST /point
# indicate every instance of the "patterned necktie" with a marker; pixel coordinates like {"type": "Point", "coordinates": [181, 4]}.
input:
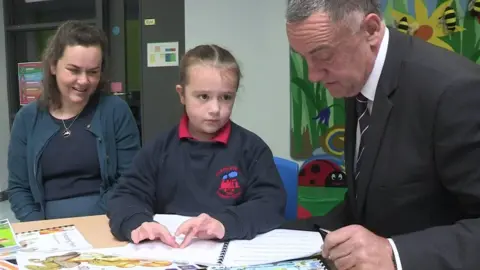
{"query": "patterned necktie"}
{"type": "Point", "coordinates": [363, 116]}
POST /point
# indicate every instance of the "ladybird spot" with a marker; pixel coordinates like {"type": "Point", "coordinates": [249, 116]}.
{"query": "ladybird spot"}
{"type": "Point", "coordinates": [315, 168]}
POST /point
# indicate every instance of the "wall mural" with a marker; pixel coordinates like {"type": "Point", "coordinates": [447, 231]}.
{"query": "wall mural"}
{"type": "Point", "coordinates": [318, 120]}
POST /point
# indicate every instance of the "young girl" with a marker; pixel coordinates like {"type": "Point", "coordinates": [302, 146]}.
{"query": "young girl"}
{"type": "Point", "coordinates": [206, 166]}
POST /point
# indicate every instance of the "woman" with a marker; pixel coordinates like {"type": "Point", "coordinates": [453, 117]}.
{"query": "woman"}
{"type": "Point", "coordinates": [68, 149]}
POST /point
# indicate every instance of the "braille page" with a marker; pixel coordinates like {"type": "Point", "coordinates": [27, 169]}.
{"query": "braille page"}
{"type": "Point", "coordinates": [199, 251]}
{"type": "Point", "coordinates": [274, 246]}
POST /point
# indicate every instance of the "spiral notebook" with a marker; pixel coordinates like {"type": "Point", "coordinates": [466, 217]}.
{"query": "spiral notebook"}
{"type": "Point", "coordinates": [272, 247]}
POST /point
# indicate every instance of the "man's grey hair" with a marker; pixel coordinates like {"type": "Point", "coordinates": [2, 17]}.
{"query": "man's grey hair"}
{"type": "Point", "coordinates": [337, 10]}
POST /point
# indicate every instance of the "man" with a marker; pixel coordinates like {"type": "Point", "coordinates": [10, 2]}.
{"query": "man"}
{"type": "Point", "coordinates": [412, 140]}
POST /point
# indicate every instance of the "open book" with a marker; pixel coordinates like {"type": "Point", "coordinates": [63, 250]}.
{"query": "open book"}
{"type": "Point", "coordinates": [274, 246]}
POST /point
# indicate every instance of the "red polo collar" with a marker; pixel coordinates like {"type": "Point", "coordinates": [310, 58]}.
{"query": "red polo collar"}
{"type": "Point", "coordinates": [222, 135]}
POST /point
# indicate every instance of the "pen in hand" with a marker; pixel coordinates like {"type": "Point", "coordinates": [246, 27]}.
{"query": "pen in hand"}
{"type": "Point", "coordinates": [322, 232]}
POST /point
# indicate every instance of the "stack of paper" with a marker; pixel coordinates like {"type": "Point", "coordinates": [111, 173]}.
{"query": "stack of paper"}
{"type": "Point", "coordinates": [8, 241]}
{"type": "Point", "coordinates": [62, 238]}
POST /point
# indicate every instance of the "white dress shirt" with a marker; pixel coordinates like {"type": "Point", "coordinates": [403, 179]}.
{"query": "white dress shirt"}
{"type": "Point", "coordinates": [368, 91]}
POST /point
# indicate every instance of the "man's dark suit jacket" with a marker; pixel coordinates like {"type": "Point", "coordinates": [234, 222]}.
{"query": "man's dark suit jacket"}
{"type": "Point", "coordinates": [420, 172]}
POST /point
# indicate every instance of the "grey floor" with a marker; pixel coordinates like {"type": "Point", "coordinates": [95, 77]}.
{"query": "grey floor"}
{"type": "Point", "coordinates": [5, 212]}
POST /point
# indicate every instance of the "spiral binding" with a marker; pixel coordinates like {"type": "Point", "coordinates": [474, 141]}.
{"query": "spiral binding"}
{"type": "Point", "coordinates": [223, 253]}
{"type": "Point", "coordinates": [323, 266]}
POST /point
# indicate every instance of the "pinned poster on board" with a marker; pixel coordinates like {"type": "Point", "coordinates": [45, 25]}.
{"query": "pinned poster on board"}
{"type": "Point", "coordinates": [30, 81]}
{"type": "Point", "coordinates": [163, 54]}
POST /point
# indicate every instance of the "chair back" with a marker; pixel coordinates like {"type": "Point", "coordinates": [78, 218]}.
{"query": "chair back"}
{"type": "Point", "coordinates": [288, 171]}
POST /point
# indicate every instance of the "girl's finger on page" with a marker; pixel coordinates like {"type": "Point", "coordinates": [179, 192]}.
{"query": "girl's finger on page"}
{"type": "Point", "coordinates": [134, 236]}
{"type": "Point", "coordinates": [141, 234]}
{"type": "Point", "coordinates": [186, 226]}
{"type": "Point", "coordinates": [188, 238]}
{"type": "Point", "coordinates": [169, 240]}
{"type": "Point", "coordinates": [150, 232]}
{"type": "Point", "coordinates": [164, 235]}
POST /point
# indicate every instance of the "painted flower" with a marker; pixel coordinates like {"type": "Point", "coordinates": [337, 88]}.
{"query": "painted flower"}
{"type": "Point", "coordinates": [430, 28]}
{"type": "Point", "coordinates": [323, 116]}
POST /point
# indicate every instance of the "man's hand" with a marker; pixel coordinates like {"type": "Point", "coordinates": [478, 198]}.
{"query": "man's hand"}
{"type": "Point", "coordinates": [203, 227]}
{"type": "Point", "coordinates": [354, 247]}
{"type": "Point", "coordinates": [153, 231]}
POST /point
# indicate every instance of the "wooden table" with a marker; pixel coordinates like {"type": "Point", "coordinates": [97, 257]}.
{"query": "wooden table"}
{"type": "Point", "coordinates": [94, 228]}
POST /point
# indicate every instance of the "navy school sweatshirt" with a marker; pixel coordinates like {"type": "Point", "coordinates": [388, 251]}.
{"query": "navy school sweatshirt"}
{"type": "Point", "coordinates": [232, 178]}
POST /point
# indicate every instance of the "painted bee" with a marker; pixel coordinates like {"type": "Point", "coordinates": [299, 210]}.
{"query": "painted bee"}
{"type": "Point", "coordinates": [449, 20]}
{"type": "Point", "coordinates": [405, 27]}
{"type": "Point", "coordinates": [474, 8]}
